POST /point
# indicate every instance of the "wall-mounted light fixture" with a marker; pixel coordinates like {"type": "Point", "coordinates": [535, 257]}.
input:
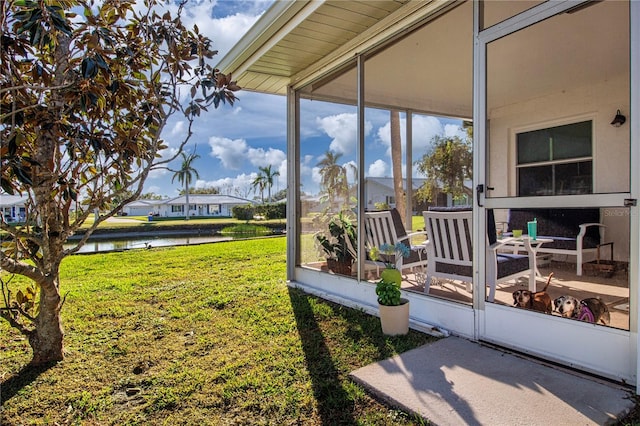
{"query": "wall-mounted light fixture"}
{"type": "Point", "coordinates": [618, 120]}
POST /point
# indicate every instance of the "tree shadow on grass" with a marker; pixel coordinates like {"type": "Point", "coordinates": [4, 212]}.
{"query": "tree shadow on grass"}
{"type": "Point", "coordinates": [27, 375]}
{"type": "Point", "coordinates": [335, 405]}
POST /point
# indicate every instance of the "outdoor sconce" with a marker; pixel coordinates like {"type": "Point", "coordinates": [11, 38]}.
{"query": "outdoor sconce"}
{"type": "Point", "coordinates": [618, 120]}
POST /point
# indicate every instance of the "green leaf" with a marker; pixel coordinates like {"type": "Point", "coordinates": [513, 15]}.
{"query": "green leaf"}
{"type": "Point", "coordinates": [6, 186]}
{"type": "Point", "coordinates": [89, 68]}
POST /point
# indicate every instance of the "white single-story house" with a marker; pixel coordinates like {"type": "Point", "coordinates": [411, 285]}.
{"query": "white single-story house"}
{"type": "Point", "coordinates": [553, 91]}
{"type": "Point", "coordinates": [13, 207]}
{"type": "Point", "coordinates": [204, 205]}
{"type": "Point", "coordinates": [380, 190]}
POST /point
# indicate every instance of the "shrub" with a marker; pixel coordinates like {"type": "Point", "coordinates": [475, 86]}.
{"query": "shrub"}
{"type": "Point", "coordinates": [245, 212]}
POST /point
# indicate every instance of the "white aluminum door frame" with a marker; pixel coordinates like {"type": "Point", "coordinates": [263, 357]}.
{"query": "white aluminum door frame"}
{"type": "Point", "coordinates": [557, 339]}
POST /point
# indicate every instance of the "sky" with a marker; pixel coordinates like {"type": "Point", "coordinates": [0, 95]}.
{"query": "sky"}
{"type": "Point", "coordinates": [234, 141]}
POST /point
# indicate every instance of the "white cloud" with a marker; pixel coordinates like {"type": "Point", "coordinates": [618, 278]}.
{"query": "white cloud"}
{"type": "Point", "coordinates": [452, 130]}
{"type": "Point", "coordinates": [178, 131]}
{"type": "Point", "coordinates": [239, 186]}
{"type": "Point", "coordinates": [234, 154]}
{"type": "Point", "coordinates": [316, 177]}
{"type": "Point", "coordinates": [424, 129]}
{"type": "Point", "coordinates": [261, 158]}
{"type": "Point", "coordinates": [282, 179]}
{"type": "Point", "coordinates": [230, 152]}
{"type": "Point", "coordinates": [342, 129]}
{"type": "Point", "coordinates": [352, 170]}
{"type": "Point", "coordinates": [378, 169]}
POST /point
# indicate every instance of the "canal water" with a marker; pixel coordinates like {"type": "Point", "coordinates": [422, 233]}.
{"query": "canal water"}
{"type": "Point", "coordinates": [140, 242]}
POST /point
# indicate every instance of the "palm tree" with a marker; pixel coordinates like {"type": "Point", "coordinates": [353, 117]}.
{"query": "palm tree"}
{"type": "Point", "coordinates": [259, 183]}
{"type": "Point", "coordinates": [333, 177]}
{"type": "Point", "coordinates": [268, 176]}
{"type": "Point", "coordinates": [396, 162]}
{"type": "Point", "coordinates": [185, 175]}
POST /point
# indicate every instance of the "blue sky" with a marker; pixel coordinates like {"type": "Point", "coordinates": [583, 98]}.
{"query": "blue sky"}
{"type": "Point", "coordinates": [233, 142]}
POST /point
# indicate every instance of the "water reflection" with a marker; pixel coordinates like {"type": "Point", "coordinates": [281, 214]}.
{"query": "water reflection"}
{"type": "Point", "coordinates": [102, 245]}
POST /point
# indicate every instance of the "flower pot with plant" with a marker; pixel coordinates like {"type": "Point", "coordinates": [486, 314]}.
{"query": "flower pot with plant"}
{"type": "Point", "coordinates": [394, 309]}
{"type": "Point", "coordinates": [337, 243]}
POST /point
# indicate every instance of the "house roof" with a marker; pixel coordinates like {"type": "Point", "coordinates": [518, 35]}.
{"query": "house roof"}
{"type": "Point", "coordinates": [145, 203]}
{"type": "Point", "coordinates": [207, 199]}
{"type": "Point", "coordinates": [7, 200]}
{"type": "Point", "coordinates": [387, 182]}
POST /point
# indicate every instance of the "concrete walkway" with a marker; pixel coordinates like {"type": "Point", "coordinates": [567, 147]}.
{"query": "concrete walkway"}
{"type": "Point", "coordinates": [455, 381]}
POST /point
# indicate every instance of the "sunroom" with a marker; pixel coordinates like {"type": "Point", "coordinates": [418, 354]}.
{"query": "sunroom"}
{"type": "Point", "coordinates": [545, 95]}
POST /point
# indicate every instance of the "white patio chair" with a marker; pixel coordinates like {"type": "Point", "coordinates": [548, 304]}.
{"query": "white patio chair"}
{"type": "Point", "coordinates": [450, 251]}
{"type": "Point", "coordinates": [385, 227]}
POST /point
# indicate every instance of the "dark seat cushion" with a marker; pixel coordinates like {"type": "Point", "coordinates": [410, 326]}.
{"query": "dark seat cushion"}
{"type": "Point", "coordinates": [509, 264]}
{"type": "Point", "coordinates": [561, 225]}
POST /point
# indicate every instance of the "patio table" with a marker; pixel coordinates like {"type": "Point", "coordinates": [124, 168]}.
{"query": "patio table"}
{"type": "Point", "coordinates": [531, 246]}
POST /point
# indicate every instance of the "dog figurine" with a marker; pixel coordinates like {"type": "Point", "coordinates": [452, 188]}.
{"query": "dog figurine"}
{"type": "Point", "coordinates": [591, 310]}
{"type": "Point", "coordinates": [538, 301]}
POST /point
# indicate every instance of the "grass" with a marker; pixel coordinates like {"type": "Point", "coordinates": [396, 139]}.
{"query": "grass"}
{"type": "Point", "coordinates": [207, 334]}
{"type": "Point", "coordinates": [143, 221]}
{"type": "Point", "coordinates": [247, 229]}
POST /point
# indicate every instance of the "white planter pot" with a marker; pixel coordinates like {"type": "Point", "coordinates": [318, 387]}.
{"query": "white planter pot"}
{"type": "Point", "coordinates": [395, 319]}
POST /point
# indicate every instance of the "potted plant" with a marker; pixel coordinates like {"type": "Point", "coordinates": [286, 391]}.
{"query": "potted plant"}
{"type": "Point", "coordinates": [394, 309]}
{"type": "Point", "coordinates": [338, 243]}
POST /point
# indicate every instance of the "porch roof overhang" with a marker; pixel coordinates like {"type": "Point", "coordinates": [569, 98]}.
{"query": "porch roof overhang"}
{"type": "Point", "coordinates": [312, 45]}
{"type": "Point", "coordinates": [303, 42]}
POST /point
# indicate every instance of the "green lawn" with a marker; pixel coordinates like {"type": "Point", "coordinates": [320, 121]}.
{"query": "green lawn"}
{"type": "Point", "coordinates": [207, 334]}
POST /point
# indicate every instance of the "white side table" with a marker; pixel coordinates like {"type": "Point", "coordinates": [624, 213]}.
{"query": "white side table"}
{"type": "Point", "coordinates": [531, 246]}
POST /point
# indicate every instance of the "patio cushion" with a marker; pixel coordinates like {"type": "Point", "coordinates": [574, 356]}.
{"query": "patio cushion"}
{"type": "Point", "coordinates": [561, 225]}
{"type": "Point", "coordinates": [509, 264]}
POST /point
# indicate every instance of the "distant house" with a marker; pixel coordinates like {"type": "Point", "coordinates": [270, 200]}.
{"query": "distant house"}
{"type": "Point", "coordinates": [13, 207]}
{"type": "Point", "coordinates": [380, 190]}
{"type": "Point", "coordinates": [211, 205]}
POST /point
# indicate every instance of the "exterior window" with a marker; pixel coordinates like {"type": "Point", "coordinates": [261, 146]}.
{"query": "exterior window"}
{"type": "Point", "coordinates": [555, 161]}
{"type": "Point", "coordinates": [193, 207]}
{"type": "Point", "coordinates": [214, 208]}
{"type": "Point", "coordinates": [177, 209]}
{"type": "Point", "coordinates": [391, 200]}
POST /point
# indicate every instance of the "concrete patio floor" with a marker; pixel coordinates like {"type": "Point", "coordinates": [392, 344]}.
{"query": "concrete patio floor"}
{"type": "Point", "coordinates": [454, 381]}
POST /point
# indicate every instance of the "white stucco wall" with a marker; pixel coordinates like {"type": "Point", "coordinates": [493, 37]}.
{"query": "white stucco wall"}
{"type": "Point", "coordinates": [611, 145]}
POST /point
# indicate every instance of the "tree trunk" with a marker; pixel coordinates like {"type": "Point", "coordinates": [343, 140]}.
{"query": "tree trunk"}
{"type": "Point", "coordinates": [186, 193]}
{"type": "Point", "coordinates": [396, 161]}
{"type": "Point", "coordinates": [46, 339]}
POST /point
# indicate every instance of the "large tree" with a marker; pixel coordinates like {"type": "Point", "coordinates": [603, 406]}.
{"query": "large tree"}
{"type": "Point", "coordinates": [185, 176]}
{"type": "Point", "coordinates": [447, 166]}
{"type": "Point", "coordinates": [83, 102]}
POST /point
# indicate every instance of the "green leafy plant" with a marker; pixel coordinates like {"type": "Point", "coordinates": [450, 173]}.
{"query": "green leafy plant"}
{"type": "Point", "coordinates": [338, 242]}
{"type": "Point", "coordinates": [388, 288]}
{"type": "Point", "coordinates": [388, 293]}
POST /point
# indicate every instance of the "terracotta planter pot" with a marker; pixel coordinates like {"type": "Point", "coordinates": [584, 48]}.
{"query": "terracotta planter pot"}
{"type": "Point", "coordinates": [395, 319]}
